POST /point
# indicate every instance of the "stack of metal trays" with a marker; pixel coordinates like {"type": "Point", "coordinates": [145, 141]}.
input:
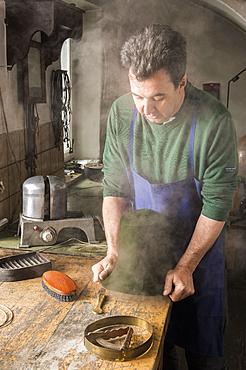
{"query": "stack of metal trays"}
{"type": "Point", "coordinates": [23, 266]}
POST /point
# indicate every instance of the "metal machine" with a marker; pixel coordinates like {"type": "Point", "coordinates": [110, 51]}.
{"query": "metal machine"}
{"type": "Point", "coordinates": [45, 213]}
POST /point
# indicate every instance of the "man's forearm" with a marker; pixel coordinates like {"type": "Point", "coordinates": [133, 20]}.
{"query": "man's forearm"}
{"type": "Point", "coordinates": [204, 236]}
{"type": "Point", "coordinates": [113, 208]}
{"type": "Point", "coordinates": [179, 282]}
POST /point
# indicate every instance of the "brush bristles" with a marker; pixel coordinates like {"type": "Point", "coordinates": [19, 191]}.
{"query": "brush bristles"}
{"type": "Point", "coordinates": [64, 298]}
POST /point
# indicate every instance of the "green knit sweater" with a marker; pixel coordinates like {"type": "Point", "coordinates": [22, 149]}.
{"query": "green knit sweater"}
{"type": "Point", "coordinates": [160, 152]}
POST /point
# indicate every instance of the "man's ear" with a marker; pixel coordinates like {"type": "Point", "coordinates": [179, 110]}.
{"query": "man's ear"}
{"type": "Point", "coordinates": [183, 81]}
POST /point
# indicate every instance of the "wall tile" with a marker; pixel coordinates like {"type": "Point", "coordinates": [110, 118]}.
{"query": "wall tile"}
{"type": "Point", "coordinates": [46, 163]}
{"type": "Point", "coordinates": [52, 135]}
{"type": "Point", "coordinates": [4, 151]}
{"type": "Point", "coordinates": [54, 160]}
{"type": "Point", "coordinates": [24, 173]}
{"type": "Point", "coordinates": [5, 179]}
{"type": "Point", "coordinates": [38, 140]}
{"type": "Point", "coordinates": [4, 209]}
{"type": "Point", "coordinates": [60, 157]}
{"type": "Point", "coordinates": [39, 164]}
{"type": "Point", "coordinates": [15, 206]}
{"type": "Point", "coordinates": [22, 144]}
{"type": "Point", "coordinates": [14, 178]}
{"type": "Point", "coordinates": [13, 147]}
{"type": "Point", "coordinates": [49, 161]}
{"type": "Point", "coordinates": [44, 137]}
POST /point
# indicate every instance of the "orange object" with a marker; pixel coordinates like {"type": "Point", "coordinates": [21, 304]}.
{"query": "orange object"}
{"type": "Point", "coordinates": [59, 285]}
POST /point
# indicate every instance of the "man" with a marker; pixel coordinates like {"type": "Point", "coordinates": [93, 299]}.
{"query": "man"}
{"type": "Point", "coordinates": [171, 148]}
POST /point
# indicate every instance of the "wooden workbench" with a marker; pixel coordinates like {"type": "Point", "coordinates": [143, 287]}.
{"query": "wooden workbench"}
{"type": "Point", "coordinates": [48, 334]}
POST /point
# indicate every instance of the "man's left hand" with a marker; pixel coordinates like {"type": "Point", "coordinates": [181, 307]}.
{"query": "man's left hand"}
{"type": "Point", "coordinates": [179, 283]}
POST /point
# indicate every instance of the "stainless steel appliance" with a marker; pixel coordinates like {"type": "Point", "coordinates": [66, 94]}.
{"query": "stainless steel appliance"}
{"type": "Point", "coordinates": [44, 213]}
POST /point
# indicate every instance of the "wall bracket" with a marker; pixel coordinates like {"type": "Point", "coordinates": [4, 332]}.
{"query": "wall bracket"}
{"type": "Point", "coordinates": [55, 19]}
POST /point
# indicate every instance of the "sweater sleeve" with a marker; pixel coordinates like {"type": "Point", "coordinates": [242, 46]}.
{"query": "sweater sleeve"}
{"type": "Point", "coordinates": [116, 177]}
{"type": "Point", "coordinates": [220, 176]}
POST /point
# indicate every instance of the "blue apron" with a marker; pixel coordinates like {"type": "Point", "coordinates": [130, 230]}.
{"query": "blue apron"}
{"type": "Point", "coordinates": [196, 322]}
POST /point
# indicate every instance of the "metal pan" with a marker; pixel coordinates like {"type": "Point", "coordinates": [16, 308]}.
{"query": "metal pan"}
{"type": "Point", "coordinates": [116, 354]}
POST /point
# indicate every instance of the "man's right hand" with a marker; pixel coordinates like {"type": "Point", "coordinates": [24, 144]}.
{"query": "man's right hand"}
{"type": "Point", "coordinates": [103, 268]}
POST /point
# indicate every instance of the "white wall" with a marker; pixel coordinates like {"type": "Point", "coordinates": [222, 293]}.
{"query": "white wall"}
{"type": "Point", "coordinates": [87, 84]}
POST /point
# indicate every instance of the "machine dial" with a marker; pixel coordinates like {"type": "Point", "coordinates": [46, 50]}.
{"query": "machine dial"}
{"type": "Point", "coordinates": [48, 235]}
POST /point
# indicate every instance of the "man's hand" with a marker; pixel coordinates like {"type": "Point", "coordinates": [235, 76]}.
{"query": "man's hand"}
{"type": "Point", "coordinates": [103, 268]}
{"type": "Point", "coordinates": [179, 283]}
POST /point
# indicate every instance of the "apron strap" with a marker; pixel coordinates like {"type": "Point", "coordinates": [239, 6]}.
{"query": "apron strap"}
{"type": "Point", "coordinates": [191, 148]}
{"type": "Point", "coordinates": [131, 139]}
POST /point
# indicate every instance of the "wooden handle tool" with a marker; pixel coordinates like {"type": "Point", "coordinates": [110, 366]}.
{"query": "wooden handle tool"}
{"type": "Point", "coordinates": [100, 300]}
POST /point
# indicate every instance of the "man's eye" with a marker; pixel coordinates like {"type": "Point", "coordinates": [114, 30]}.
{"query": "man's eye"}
{"type": "Point", "coordinates": [159, 98]}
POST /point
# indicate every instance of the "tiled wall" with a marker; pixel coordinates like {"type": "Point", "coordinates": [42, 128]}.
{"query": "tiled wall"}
{"type": "Point", "coordinates": [50, 161]}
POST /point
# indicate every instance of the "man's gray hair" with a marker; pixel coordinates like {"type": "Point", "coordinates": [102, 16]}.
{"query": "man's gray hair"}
{"type": "Point", "coordinates": [155, 47]}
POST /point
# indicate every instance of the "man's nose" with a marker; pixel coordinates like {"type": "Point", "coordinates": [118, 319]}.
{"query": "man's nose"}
{"type": "Point", "coordinates": [148, 107]}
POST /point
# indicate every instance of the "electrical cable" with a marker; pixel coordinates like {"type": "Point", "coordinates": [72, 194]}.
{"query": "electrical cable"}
{"type": "Point", "coordinates": [89, 250]}
{"type": "Point", "coordinates": [233, 79]}
{"type": "Point", "coordinates": [81, 242]}
{"type": "Point", "coordinates": [56, 246]}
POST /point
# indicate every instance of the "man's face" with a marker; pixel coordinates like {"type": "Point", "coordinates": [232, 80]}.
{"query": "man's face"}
{"type": "Point", "coordinates": [156, 97]}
